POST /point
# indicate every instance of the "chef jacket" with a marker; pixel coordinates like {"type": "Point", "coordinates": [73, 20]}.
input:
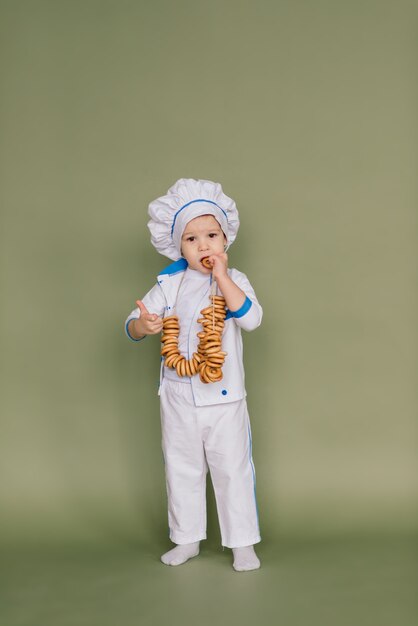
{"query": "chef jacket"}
{"type": "Point", "coordinates": [161, 300]}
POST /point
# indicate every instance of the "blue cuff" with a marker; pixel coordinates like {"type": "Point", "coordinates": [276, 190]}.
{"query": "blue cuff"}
{"type": "Point", "coordinates": [243, 309]}
{"type": "Point", "coordinates": [128, 333]}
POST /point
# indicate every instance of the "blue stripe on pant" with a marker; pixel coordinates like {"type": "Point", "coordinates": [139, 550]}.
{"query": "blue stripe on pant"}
{"type": "Point", "coordinates": [195, 439]}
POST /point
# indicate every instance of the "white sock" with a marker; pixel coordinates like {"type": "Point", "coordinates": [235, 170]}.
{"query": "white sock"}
{"type": "Point", "coordinates": [245, 559]}
{"type": "Point", "coordinates": [181, 554]}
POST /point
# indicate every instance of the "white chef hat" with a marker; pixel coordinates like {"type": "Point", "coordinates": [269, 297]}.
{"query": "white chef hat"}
{"type": "Point", "coordinates": [185, 200]}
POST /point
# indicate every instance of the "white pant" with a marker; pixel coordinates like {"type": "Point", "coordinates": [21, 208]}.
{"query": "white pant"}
{"type": "Point", "coordinates": [193, 438]}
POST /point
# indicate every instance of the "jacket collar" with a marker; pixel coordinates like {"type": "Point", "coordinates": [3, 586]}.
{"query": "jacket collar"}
{"type": "Point", "coordinates": [174, 268]}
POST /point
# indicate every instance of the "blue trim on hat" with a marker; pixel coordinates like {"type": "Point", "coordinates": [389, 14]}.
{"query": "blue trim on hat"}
{"type": "Point", "coordinates": [243, 309]}
{"type": "Point", "coordinates": [192, 202]}
{"type": "Point", "coordinates": [174, 268]}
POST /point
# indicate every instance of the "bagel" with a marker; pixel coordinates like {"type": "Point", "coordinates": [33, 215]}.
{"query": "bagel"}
{"type": "Point", "coordinates": [178, 358]}
{"type": "Point", "coordinates": [206, 263]}
{"type": "Point", "coordinates": [210, 309]}
{"type": "Point", "coordinates": [178, 366]}
{"type": "Point", "coordinates": [170, 341]}
{"type": "Point", "coordinates": [208, 359]}
{"type": "Point", "coordinates": [169, 360]}
{"type": "Point", "coordinates": [168, 335]}
{"type": "Point", "coordinates": [169, 351]}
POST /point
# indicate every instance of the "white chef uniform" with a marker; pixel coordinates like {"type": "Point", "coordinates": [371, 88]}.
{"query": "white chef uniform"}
{"type": "Point", "coordinates": [206, 425]}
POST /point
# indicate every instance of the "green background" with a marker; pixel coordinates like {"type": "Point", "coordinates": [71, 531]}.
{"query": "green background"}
{"type": "Point", "coordinates": [306, 114]}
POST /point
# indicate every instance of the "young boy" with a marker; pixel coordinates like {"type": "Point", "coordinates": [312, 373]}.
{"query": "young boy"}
{"type": "Point", "coordinates": [204, 425]}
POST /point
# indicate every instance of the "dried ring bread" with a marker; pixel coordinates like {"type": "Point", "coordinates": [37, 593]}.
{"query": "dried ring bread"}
{"type": "Point", "coordinates": [206, 263]}
{"type": "Point", "coordinates": [209, 358]}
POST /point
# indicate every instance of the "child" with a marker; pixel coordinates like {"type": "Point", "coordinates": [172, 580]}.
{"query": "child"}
{"type": "Point", "coordinates": [205, 425]}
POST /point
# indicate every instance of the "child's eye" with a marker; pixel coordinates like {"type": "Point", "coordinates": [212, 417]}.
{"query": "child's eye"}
{"type": "Point", "coordinates": [212, 235]}
{"type": "Point", "coordinates": [190, 239]}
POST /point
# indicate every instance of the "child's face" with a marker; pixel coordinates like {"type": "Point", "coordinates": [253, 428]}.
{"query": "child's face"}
{"type": "Point", "coordinates": [202, 237]}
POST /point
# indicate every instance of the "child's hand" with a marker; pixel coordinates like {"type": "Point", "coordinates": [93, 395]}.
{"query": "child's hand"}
{"type": "Point", "coordinates": [148, 323]}
{"type": "Point", "coordinates": [219, 265]}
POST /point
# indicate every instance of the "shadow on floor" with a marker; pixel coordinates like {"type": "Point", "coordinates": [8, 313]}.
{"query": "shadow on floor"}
{"type": "Point", "coordinates": [303, 581]}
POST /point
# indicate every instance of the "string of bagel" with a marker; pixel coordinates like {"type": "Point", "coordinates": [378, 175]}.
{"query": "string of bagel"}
{"type": "Point", "coordinates": [209, 358]}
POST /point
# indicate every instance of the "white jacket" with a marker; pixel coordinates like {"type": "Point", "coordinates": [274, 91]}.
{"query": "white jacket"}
{"type": "Point", "coordinates": [161, 300]}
